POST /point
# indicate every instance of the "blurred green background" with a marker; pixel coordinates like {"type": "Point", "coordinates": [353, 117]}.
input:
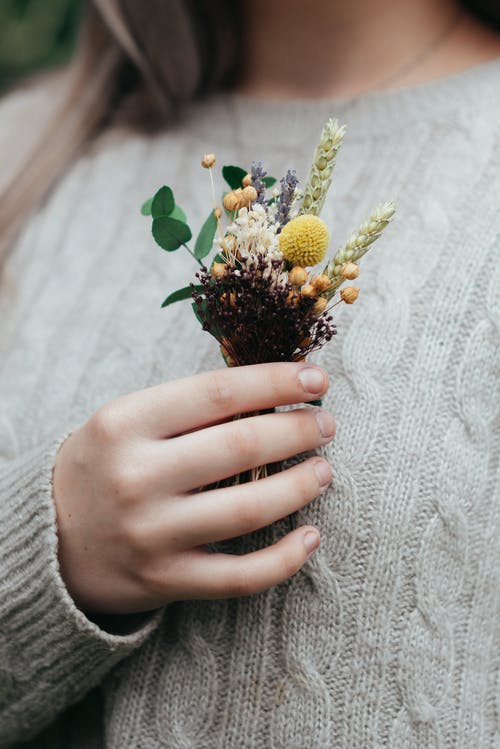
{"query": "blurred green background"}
{"type": "Point", "coordinates": [35, 34]}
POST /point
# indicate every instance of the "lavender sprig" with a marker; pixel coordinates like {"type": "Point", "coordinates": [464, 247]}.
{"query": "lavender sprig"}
{"type": "Point", "coordinates": [288, 185]}
{"type": "Point", "coordinates": [257, 172]}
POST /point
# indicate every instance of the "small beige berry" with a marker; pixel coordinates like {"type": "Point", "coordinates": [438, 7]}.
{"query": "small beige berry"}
{"type": "Point", "coordinates": [249, 194]}
{"type": "Point", "coordinates": [231, 201]}
{"type": "Point", "coordinates": [228, 298]}
{"type": "Point", "coordinates": [247, 180]}
{"type": "Point", "coordinates": [309, 291]}
{"type": "Point", "coordinates": [349, 294]}
{"type": "Point", "coordinates": [217, 212]}
{"type": "Point", "coordinates": [350, 271]}
{"type": "Point", "coordinates": [321, 282]}
{"type": "Point", "coordinates": [208, 160]}
{"type": "Point", "coordinates": [298, 276]}
{"type": "Point", "coordinates": [218, 270]}
{"type": "Point", "coordinates": [320, 305]}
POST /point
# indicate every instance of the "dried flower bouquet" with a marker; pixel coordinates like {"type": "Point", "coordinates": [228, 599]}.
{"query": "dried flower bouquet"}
{"type": "Point", "coordinates": [257, 295]}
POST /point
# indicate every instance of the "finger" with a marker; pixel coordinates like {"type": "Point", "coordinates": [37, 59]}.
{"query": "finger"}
{"type": "Point", "coordinates": [209, 575]}
{"type": "Point", "coordinates": [182, 405]}
{"type": "Point", "coordinates": [225, 513]}
{"type": "Point", "coordinates": [215, 453]}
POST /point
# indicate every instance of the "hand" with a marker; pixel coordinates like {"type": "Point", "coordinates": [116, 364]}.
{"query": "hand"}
{"type": "Point", "coordinates": [132, 527]}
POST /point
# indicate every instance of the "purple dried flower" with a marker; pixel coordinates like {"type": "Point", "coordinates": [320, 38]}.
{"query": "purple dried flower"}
{"type": "Point", "coordinates": [288, 185]}
{"type": "Point", "coordinates": [257, 172]}
{"type": "Point", "coordinates": [257, 320]}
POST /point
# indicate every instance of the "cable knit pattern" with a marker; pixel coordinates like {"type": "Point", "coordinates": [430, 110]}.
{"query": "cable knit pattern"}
{"type": "Point", "coordinates": [387, 636]}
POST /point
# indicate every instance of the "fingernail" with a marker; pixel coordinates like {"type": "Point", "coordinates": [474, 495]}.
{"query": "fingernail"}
{"type": "Point", "coordinates": [323, 472]}
{"type": "Point", "coordinates": [312, 379]}
{"type": "Point", "coordinates": [326, 423]}
{"type": "Point", "coordinates": [311, 541]}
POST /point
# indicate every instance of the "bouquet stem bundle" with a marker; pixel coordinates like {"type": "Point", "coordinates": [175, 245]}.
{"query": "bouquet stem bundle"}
{"type": "Point", "coordinates": [258, 296]}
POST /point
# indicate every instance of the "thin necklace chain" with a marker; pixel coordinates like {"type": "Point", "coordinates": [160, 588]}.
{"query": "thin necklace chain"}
{"type": "Point", "coordinates": [419, 58]}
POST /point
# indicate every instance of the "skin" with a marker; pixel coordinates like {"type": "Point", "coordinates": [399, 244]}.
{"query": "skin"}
{"type": "Point", "coordinates": [132, 520]}
{"type": "Point", "coordinates": [333, 48]}
{"type": "Point", "coordinates": [132, 525]}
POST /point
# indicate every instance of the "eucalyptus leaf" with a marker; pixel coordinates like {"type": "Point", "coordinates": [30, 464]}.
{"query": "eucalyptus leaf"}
{"type": "Point", "coordinates": [178, 213]}
{"type": "Point", "coordinates": [205, 240]}
{"type": "Point", "coordinates": [234, 176]}
{"type": "Point", "coordinates": [184, 293]}
{"type": "Point", "coordinates": [146, 207]}
{"type": "Point", "coordinates": [170, 233]}
{"type": "Point", "coordinates": [269, 181]}
{"type": "Point", "coordinates": [197, 313]}
{"type": "Point", "coordinates": [163, 202]}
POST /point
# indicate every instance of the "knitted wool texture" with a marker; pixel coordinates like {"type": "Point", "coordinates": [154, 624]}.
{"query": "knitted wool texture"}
{"type": "Point", "coordinates": [386, 637]}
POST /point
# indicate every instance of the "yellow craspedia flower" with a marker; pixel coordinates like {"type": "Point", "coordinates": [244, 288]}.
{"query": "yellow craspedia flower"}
{"type": "Point", "coordinates": [304, 240]}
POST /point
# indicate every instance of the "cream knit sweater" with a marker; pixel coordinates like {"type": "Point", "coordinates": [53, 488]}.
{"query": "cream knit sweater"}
{"type": "Point", "coordinates": [386, 638]}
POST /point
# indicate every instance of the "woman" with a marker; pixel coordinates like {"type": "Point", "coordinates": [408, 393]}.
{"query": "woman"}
{"type": "Point", "coordinates": [119, 628]}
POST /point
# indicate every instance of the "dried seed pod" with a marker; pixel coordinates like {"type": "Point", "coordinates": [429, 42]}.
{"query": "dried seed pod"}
{"type": "Point", "coordinates": [321, 282]}
{"type": "Point", "coordinates": [309, 291]}
{"type": "Point", "coordinates": [249, 194]}
{"type": "Point", "coordinates": [231, 201]}
{"type": "Point", "coordinates": [208, 160]}
{"type": "Point", "coordinates": [349, 294]}
{"type": "Point", "coordinates": [350, 271]}
{"type": "Point", "coordinates": [218, 270]}
{"type": "Point", "coordinates": [247, 180]}
{"type": "Point", "coordinates": [298, 276]}
{"type": "Point", "coordinates": [293, 298]}
{"type": "Point", "coordinates": [228, 298]}
{"type": "Point", "coordinates": [217, 212]}
{"type": "Point", "coordinates": [320, 305]}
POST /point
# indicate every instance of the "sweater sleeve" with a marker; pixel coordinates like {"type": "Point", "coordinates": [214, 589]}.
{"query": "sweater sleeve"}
{"type": "Point", "coordinates": [51, 654]}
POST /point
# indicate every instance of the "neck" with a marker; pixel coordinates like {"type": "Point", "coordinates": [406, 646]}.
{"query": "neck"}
{"type": "Point", "coordinates": [329, 48]}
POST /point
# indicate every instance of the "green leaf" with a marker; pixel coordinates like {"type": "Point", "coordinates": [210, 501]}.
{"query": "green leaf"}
{"type": "Point", "coordinates": [178, 213]}
{"type": "Point", "coordinates": [233, 176]}
{"type": "Point", "coordinates": [180, 294]}
{"type": "Point", "coordinates": [205, 240]}
{"type": "Point", "coordinates": [196, 312]}
{"type": "Point", "coordinates": [269, 181]}
{"type": "Point", "coordinates": [170, 233]}
{"type": "Point", "coordinates": [146, 207]}
{"type": "Point", "coordinates": [163, 202]}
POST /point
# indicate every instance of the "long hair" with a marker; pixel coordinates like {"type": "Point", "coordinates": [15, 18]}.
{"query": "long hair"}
{"type": "Point", "coordinates": [138, 61]}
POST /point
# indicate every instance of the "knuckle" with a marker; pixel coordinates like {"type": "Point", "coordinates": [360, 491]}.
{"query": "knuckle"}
{"type": "Point", "coordinates": [242, 581]}
{"type": "Point", "coordinates": [136, 537]}
{"type": "Point", "coordinates": [219, 391]}
{"type": "Point", "coordinates": [126, 480]}
{"type": "Point", "coordinates": [276, 382]}
{"type": "Point", "coordinates": [157, 577]}
{"type": "Point", "coordinates": [306, 484]}
{"type": "Point", "coordinates": [153, 579]}
{"type": "Point", "coordinates": [107, 424]}
{"type": "Point", "coordinates": [249, 513]}
{"type": "Point", "coordinates": [244, 440]}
